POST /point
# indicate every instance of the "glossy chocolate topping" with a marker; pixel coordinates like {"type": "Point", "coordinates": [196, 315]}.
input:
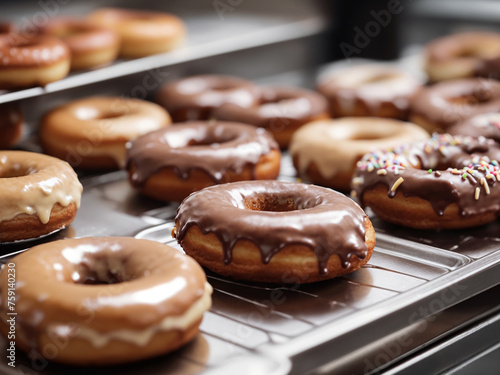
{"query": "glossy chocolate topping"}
{"type": "Point", "coordinates": [279, 108]}
{"type": "Point", "coordinates": [211, 146]}
{"type": "Point", "coordinates": [371, 84]}
{"type": "Point", "coordinates": [194, 98]}
{"type": "Point", "coordinates": [486, 125]}
{"type": "Point", "coordinates": [274, 214]}
{"type": "Point", "coordinates": [447, 103]}
{"type": "Point", "coordinates": [17, 50]}
{"type": "Point", "coordinates": [443, 170]}
{"type": "Point", "coordinates": [69, 287]}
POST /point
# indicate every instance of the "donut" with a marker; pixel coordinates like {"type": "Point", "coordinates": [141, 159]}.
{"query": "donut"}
{"type": "Point", "coordinates": [281, 110]}
{"type": "Point", "coordinates": [27, 61]}
{"type": "Point", "coordinates": [102, 301]}
{"type": "Point", "coordinates": [486, 125]}
{"type": "Point", "coordinates": [91, 133]}
{"type": "Point", "coordinates": [326, 151]}
{"type": "Point", "coordinates": [462, 55]}
{"type": "Point", "coordinates": [90, 45]}
{"type": "Point", "coordinates": [437, 107]}
{"type": "Point", "coordinates": [171, 163]}
{"type": "Point", "coordinates": [11, 125]}
{"type": "Point", "coordinates": [369, 90]}
{"type": "Point", "coordinates": [39, 194]}
{"type": "Point", "coordinates": [274, 231]}
{"type": "Point", "coordinates": [447, 182]}
{"type": "Point", "coordinates": [142, 33]}
{"type": "Point", "coordinates": [195, 98]}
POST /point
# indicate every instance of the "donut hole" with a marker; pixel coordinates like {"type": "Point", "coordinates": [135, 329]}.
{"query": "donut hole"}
{"type": "Point", "coordinates": [378, 78]}
{"type": "Point", "coordinates": [472, 99]}
{"type": "Point", "coordinates": [90, 113]}
{"type": "Point", "coordinates": [17, 171]}
{"type": "Point", "coordinates": [101, 271]}
{"type": "Point", "coordinates": [94, 278]}
{"type": "Point", "coordinates": [209, 141]}
{"type": "Point", "coordinates": [272, 203]}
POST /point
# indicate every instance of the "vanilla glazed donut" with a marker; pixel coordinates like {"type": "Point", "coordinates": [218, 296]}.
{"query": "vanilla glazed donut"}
{"type": "Point", "coordinates": [463, 55]}
{"type": "Point", "coordinates": [90, 45]}
{"type": "Point", "coordinates": [326, 151]}
{"type": "Point", "coordinates": [369, 90]}
{"type": "Point", "coordinates": [437, 107]}
{"type": "Point", "coordinates": [102, 301]}
{"type": "Point", "coordinates": [486, 125]}
{"type": "Point", "coordinates": [274, 231]}
{"type": "Point", "coordinates": [142, 33]}
{"type": "Point", "coordinates": [39, 194]}
{"type": "Point", "coordinates": [11, 125]}
{"type": "Point", "coordinates": [446, 182]}
{"type": "Point", "coordinates": [27, 61]}
{"type": "Point", "coordinates": [195, 98]}
{"type": "Point", "coordinates": [171, 163]}
{"type": "Point", "coordinates": [281, 110]}
{"type": "Point", "coordinates": [92, 133]}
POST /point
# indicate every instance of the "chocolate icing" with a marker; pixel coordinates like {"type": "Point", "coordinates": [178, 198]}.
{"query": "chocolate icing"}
{"type": "Point", "coordinates": [211, 146]}
{"type": "Point", "coordinates": [486, 125]}
{"type": "Point", "coordinates": [17, 50]}
{"type": "Point", "coordinates": [274, 214]}
{"type": "Point", "coordinates": [194, 98]}
{"type": "Point", "coordinates": [449, 102]}
{"type": "Point", "coordinates": [442, 186]}
{"type": "Point", "coordinates": [373, 86]}
{"type": "Point", "coordinates": [279, 108]}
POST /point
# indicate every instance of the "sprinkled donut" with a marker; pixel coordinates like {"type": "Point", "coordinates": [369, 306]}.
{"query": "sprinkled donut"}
{"type": "Point", "coordinates": [103, 300]}
{"type": "Point", "coordinates": [445, 182]}
{"type": "Point", "coordinates": [486, 125]}
{"type": "Point", "coordinates": [27, 61]}
{"type": "Point", "coordinates": [274, 231]}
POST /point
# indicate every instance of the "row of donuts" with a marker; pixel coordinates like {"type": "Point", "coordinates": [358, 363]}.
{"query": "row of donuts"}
{"type": "Point", "coordinates": [47, 53]}
{"type": "Point", "coordinates": [212, 226]}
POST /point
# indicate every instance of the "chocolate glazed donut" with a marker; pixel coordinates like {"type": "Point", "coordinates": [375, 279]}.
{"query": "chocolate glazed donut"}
{"type": "Point", "coordinates": [439, 106]}
{"type": "Point", "coordinates": [281, 110]}
{"type": "Point", "coordinates": [194, 98]}
{"type": "Point", "coordinates": [172, 163]}
{"type": "Point", "coordinates": [274, 231]}
{"type": "Point", "coordinates": [446, 182]}
{"type": "Point", "coordinates": [486, 125]}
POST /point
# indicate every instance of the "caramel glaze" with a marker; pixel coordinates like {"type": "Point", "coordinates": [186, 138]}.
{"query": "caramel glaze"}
{"type": "Point", "coordinates": [149, 281]}
{"type": "Point", "coordinates": [449, 102]}
{"type": "Point", "coordinates": [486, 125]}
{"type": "Point", "coordinates": [441, 187]}
{"type": "Point", "coordinates": [213, 147]}
{"type": "Point", "coordinates": [279, 108]}
{"type": "Point", "coordinates": [194, 98]}
{"type": "Point", "coordinates": [274, 214]}
{"type": "Point", "coordinates": [21, 51]}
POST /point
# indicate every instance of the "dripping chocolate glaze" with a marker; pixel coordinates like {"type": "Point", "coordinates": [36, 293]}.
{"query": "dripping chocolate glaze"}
{"type": "Point", "coordinates": [213, 147]}
{"type": "Point", "coordinates": [449, 102]}
{"type": "Point", "coordinates": [325, 221]}
{"type": "Point", "coordinates": [278, 109]}
{"type": "Point", "coordinates": [444, 188]}
{"type": "Point", "coordinates": [194, 98]}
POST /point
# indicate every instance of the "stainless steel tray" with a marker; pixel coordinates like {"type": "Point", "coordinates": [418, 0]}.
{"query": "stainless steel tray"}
{"type": "Point", "coordinates": [264, 329]}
